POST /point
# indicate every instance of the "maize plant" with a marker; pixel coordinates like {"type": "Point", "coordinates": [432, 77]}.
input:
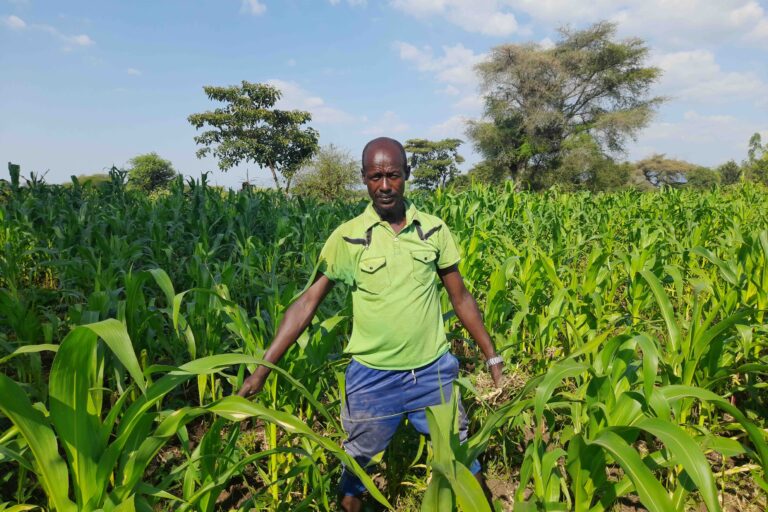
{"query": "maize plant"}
{"type": "Point", "coordinates": [633, 328]}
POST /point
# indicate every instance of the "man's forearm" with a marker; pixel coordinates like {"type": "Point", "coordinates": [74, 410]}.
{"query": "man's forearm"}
{"type": "Point", "coordinates": [297, 318]}
{"type": "Point", "coordinates": [469, 314]}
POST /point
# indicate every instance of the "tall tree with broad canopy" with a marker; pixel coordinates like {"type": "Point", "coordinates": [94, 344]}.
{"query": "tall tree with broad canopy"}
{"type": "Point", "coordinates": [536, 98]}
{"type": "Point", "coordinates": [249, 129]}
{"type": "Point", "coordinates": [434, 162]}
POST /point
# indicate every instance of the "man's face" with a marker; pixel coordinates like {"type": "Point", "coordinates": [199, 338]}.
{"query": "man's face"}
{"type": "Point", "coordinates": [384, 174]}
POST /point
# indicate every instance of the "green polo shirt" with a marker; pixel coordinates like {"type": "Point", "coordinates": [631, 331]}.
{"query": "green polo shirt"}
{"type": "Point", "coordinates": [397, 320]}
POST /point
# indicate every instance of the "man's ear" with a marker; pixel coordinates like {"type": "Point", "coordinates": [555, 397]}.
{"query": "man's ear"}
{"type": "Point", "coordinates": [407, 172]}
{"type": "Point", "coordinates": [362, 175]}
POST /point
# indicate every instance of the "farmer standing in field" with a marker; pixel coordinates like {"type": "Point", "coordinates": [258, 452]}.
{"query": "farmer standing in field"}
{"type": "Point", "coordinates": [401, 364]}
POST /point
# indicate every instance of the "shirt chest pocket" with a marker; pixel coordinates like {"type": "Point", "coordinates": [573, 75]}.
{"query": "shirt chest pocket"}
{"type": "Point", "coordinates": [372, 274]}
{"type": "Point", "coordinates": [424, 266]}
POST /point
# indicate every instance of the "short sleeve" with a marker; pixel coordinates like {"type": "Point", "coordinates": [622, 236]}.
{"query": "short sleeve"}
{"type": "Point", "coordinates": [449, 251]}
{"type": "Point", "coordinates": [335, 261]}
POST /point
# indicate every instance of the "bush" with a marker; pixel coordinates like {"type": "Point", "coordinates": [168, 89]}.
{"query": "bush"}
{"type": "Point", "coordinates": [149, 172]}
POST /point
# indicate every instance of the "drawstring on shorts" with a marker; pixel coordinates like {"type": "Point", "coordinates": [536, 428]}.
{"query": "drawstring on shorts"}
{"type": "Point", "coordinates": [413, 373]}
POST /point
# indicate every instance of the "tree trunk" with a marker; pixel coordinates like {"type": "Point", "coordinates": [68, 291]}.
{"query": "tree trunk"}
{"type": "Point", "coordinates": [274, 177]}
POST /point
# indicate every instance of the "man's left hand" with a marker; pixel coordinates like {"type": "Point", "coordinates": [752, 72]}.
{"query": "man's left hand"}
{"type": "Point", "coordinates": [497, 375]}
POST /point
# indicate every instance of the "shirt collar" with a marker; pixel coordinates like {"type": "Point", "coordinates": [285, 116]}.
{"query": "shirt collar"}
{"type": "Point", "coordinates": [371, 218]}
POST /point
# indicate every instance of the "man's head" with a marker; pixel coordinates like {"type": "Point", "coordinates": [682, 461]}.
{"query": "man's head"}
{"type": "Point", "coordinates": [385, 170]}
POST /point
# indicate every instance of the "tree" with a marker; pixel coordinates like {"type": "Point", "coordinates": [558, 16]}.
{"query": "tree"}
{"type": "Point", "coordinates": [501, 139]}
{"type": "Point", "coordinates": [730, 173]}
{"type": "Point", "coordinates": [584, 167]}
{"type": "Point", "coordinates": [331, 174]}
{"type": "Point", "coordinates": [149, 172]}
{"type": "Point", "coordinates": [756, 166]}
{"type": "Point", "coordinates": [487, 171]}
{"type": "Point", "coordinates": [249, 129]}
{"type": "Point", "coordinates": [658, 170]}
{"type": "Point", "coordinates": [434, 163]}
{"type": "Point", "coordinates": [702, 178]}
{"type": "Point", "coordinates": [536, 98]}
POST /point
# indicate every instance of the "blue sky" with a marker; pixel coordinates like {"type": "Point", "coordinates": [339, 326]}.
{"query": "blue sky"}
{"type": "Point", "coordinates": [90, 84]}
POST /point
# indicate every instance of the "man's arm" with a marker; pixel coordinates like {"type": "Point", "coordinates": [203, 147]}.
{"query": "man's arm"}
{"type": "Point", "coordinates": [297, 318]}
{"type": "Point", "coordinates": [466, 309]}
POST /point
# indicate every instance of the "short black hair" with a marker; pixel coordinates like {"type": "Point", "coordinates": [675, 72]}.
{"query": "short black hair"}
{"type": "Point", "coordinates": [388, 140]}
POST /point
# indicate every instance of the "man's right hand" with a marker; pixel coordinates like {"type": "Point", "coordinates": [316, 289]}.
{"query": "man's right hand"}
{"type": "Point", "coordinates": [252, 385]}
{"type": "Point", "coordinates": [296, 319]}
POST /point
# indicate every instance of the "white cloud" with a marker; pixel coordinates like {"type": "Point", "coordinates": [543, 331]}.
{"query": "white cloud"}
{"type": "Point", "coordinates": [547, 43]}
{"type": "Point", "coordinates": [389, 124]}
{"type": "Point", "coordinates": [759, 34]}
{"type": "Point", "coordinates": [489, 17]}
{"type": "Point", "coordinates": [452, 127]}
{"type": "Point", "coordinates": [14, 22]}
{"type": "Point", "coordinates": [449, 90]}
{"type": "Point", "coordinates": [676, 23]}
{"type": "Point", "coordinates": [79, 40]}
{"type": "Point", "coordinates": [133, 71]}
{"type": "Point", "coordinates": [350, 2]}
{"type": "Point", "coordinates": [696, 76]}
{"type": "Point", "coordinates": [470, 103]}
{"type": "Point", "coordinates": [294, 96]}
{"type": "Point", "coordinates": [455, 66]}
{"type": "Point", "coordinates": [698, 138]}
{"type": "Point", "coordinates": [254, 7]}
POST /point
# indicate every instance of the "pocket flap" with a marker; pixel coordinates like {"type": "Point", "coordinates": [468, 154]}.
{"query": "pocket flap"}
{"type": "Point", "coordinates": [424, 256]}
{"type": "Point", "coordinates": [371, 265]}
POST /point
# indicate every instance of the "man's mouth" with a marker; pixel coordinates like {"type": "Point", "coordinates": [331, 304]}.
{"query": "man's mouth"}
{"type": "Point", "coordinates": [386, 199]}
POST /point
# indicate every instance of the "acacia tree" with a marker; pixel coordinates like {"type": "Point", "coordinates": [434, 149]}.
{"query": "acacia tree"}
{"type": "Point", "coordinates": [658, 171]}
{"type": "Point", "coordinates": [434, 162]}
{"type": "Point", "coordinates": [332, 174]}
{"type": "Point", "coordinates": [536, 98]}
{"type": "Point", "coordinates": [249, 129]}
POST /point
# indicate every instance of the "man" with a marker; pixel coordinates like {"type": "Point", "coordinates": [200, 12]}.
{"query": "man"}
{"type": "Point", "coordinates": [390, 255]}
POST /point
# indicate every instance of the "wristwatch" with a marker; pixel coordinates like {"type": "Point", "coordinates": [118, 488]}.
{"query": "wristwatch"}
{"type": "Point", "coordinates": [494, 361]}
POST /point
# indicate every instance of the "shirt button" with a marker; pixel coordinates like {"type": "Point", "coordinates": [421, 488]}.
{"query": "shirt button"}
{"type": "Point", "coordinates": [396, 239]}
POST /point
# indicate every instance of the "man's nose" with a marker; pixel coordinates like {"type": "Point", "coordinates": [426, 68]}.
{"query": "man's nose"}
{"type": "Point", "coordinates": [385, 183]}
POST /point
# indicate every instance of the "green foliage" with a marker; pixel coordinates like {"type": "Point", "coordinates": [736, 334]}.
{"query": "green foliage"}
{"type": "Point", "coordinates": [502, 142]}
{"type": "Point", "coordinates": [150, 173]}
{"type": "Point", "coordinates": [332, 174]}
{"type": "Point", "coordinates": [249, 129]}
{"type": "Point", "coordinates": [702, 177]}
{"type": "Point", "coordinates": [97, 179]}
{"type": "Point", "coordinates": [487, 172]}
{"type": "Point", "coordinates": [537, 98]}
{"type": "Point", "coordinates": [14, 170]}
{"type": "Point", "coordinates": [756, 166]}
{"type": "Point", "coordinates": [730, 173]}
{"type": "Point", "coordinates": [633, 327]}
{"type": "Point", "coordinates": [583, 166]}
{"type": "Point", "coordinates": [657, 171]}
{"type": "Point", "coordinates": [434, 163]}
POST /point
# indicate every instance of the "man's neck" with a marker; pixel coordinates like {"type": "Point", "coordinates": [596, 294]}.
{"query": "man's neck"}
{"type": "Point", "coordinates": [395, 218]}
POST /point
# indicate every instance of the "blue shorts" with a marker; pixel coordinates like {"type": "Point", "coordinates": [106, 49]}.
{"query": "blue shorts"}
{"type": "Point", "coordinates": [378, 400]}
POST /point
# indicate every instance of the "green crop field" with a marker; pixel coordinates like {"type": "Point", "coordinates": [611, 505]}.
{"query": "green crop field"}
{"type": "Point", "coordinates": [633, 326]}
